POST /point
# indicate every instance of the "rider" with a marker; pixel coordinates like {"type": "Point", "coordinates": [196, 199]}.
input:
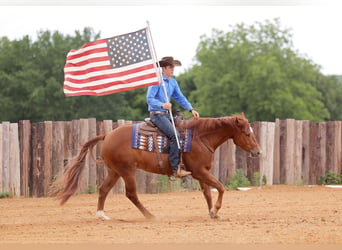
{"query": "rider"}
{"type": "Point", "coordinates": [158, 106]}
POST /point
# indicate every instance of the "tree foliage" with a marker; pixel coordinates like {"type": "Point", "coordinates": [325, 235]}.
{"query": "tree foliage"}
{"type": "Point", "coordinates": [31, 79]}
{"type": "Point", "coordinates": [256, 70]}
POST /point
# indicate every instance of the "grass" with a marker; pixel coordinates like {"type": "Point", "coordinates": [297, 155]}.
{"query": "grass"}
{"type": "Point", "coordinates": [5, 195]}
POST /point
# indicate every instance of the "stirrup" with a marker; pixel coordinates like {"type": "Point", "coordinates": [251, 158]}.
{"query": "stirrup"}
{"type": "Point", "coordinates": [172, 178]}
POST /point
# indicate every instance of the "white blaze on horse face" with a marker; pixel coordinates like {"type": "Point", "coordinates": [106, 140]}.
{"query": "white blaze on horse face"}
{"type": "Point", "coordinates": [250, 129]}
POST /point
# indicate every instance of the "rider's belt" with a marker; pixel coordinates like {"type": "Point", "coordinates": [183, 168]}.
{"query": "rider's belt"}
{"type": "Point", "coordinates": [158, 112]}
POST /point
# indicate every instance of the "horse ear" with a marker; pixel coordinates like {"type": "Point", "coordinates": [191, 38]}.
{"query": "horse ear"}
{"type": "Point", "coordinates": [236, 120]}
{"type": "Point", "coordinates": [243, 114]}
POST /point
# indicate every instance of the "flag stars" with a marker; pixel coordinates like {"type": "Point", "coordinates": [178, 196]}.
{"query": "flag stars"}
{"type": "Point", "coordinates": [128, 49]}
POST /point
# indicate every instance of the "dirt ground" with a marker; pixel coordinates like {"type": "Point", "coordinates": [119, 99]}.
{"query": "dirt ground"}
{"type": "Point", "coordinates": [280, 215]}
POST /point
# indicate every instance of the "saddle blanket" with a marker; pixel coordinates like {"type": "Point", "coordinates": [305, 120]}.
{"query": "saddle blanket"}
{"type": "Point", "coordinates": [146, 142]}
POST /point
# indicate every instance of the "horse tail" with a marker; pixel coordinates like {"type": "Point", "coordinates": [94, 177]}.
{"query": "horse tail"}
{"type": "Point", "coordinates": [73, 172]}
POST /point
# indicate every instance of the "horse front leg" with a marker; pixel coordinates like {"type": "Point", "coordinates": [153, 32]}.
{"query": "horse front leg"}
{"type": "Point", "coordinates": [214, 210]}
{"type": "Point", "coordinates": [208, 181]}
{"type": "Point", "coordinates": [207, 194]}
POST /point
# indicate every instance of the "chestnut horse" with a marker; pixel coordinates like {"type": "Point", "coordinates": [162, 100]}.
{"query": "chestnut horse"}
{"type": "Point", "coordinates": [122, 160]}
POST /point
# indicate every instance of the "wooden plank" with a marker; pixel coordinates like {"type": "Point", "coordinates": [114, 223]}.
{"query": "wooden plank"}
{"type": "Point", "coordinates": [1, 160]}
{"type": "Point", "coordinates": [57, 148]}
{"type": "Point", "coordinates": [67, 144]}
{"type": "Point", "coordinates": [223, 163]}
{"type": "Point", "coordinates": [37, 175]}
{"type": "Point", "coordinates": [314, 153]}
{"type": "Point", "coordinates": [141, 177]}
{"type": "Point", "coordinates": [241, 160]}
{"type": "Point", "coordinates": [282, 150]}
{"type": "Point", "coordinates": [49, 144]}
{"type": "Point", "coordinates": [107, 126]}
{"type": "Point", "coordinates": [14, 161]}
{"type": "Point", "coordinates": [5, 156]}
{"type": "Point", "coordinates": [25, 155]}
{"type": "Point", "coordinates": [333, 146]}
{"type": "Point", "coordinates": [306, 152]}
{"type": "Point", "coordinates": [215, 169]}
{"type": "Point", "coordinates": [83, 137]}
{"type": "Point", "coordinates": [276, 153]}
{"type": "Point", "coordinates": [322, 150]}
{"type": "Point", "coordinates": [100, 170]}
{"type": "Point", "coordinates": [153, 183]}
{"type": "Point", "coordinates": [297, 156]}
{"type": "Point", "coordinates": [231, 163]}
{"type": "Point", "coordinates": [267, 130]}
{"type": "Point", "coordinates": [76, 146]}
{"type": "Point", "coordinates": [253, 164]}
{"type": "Point", "coordinates": [330, 133]}
{"type": "Point", "coordinates": [338, 146]}
{"type": "Point", "coordinates": [289, 151]}
{"type": "Point", "coordinates": [92, 163]}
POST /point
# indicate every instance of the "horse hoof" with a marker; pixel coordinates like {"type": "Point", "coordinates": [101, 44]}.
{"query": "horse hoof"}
{"type": "Point", "coordinates": [101, 215]}
{"type": "Point", "coordinates": [150, 217]}
{"type": "Point", "coordinates": [213, 215]}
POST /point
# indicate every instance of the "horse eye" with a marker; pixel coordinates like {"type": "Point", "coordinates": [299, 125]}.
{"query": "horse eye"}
{"type": "Point", "coordinates": [248, 135]}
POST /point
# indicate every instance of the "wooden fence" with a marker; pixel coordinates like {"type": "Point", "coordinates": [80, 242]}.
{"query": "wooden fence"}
{"type": "Point", "coordinates": [294, 152]}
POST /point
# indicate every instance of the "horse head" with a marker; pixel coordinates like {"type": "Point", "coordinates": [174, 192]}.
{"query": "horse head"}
{"type": "Point", "coordinates": [244, 137]}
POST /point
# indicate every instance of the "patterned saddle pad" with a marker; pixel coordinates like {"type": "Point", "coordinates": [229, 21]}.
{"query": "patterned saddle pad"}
{"type": "Point", "coordinates": [147, 142]}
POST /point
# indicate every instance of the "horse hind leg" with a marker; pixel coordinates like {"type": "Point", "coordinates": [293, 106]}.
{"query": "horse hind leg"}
{"type": "Point", "coordinates": [104, 189]}
{"type": "Point", "coordinates": [131, 194]}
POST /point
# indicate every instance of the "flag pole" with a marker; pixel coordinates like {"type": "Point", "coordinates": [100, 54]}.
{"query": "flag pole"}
{"type": "Point", "coordinates": [155, 58]}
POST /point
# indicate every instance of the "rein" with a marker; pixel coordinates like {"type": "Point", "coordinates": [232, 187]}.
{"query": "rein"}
{"type": "Point", "coordinates": [203, 142]}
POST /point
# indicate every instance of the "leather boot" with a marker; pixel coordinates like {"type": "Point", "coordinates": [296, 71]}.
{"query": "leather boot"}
{"type": "Point", "coordinates": [182, 173]}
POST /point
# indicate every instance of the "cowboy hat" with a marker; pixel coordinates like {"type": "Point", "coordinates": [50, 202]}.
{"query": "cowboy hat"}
{"type": "Point", "coordinates": [168, 60]}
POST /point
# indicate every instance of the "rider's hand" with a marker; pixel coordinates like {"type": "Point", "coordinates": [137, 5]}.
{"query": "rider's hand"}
{"type": "Point", "coordinates": [195, 113]}
{"type": "Point", "coordinates": [167, 105]}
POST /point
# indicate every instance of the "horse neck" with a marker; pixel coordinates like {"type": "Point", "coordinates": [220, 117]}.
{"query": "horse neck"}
{"type": "Point", "coordinates": [215, 137]}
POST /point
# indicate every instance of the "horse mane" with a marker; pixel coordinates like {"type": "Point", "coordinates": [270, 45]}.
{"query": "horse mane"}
{"type": "Point", "coordinates": [209, 124]}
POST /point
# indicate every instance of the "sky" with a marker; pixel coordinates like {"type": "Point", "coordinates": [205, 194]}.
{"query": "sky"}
{"type": "Point", "coordinates": [176, 29]}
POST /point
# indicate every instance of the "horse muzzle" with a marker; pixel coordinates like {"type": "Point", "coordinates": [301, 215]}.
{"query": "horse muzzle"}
{"type": "Point", "coordinates": [254, 153]}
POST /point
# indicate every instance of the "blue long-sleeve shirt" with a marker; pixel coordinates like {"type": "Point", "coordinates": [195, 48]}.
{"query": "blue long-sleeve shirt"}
{"type": "Point", "coordinates": [155, 95]}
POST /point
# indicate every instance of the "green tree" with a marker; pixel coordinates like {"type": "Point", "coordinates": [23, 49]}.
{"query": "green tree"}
{"type": "Point", "coordinates": [31, 79]}
{"type": "Point", "coordinates": [255, 69]}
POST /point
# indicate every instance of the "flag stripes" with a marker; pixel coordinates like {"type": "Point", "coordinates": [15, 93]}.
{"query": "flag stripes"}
{"type": "Point", "coordinates": [88, 70]}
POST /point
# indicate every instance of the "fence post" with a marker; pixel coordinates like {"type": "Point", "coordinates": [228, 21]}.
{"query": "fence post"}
{"type": "Point", "coordinates": [37, 174]}
{"type": "Point", "coordinates": [215, 171]}
{"type": "Point", "coordinates": [267, 130]}
{"type": "Point", "coordinates": [50, 142]}
{"type": "Point", "coordinates": [253, 164]}
{"type": "Point", "coordinates": [338, 146]}
{"type": "Point", "coordinates": [297, 156]}
{"type": "Point", "coordinates": [333, 146]}
{"type": "Point", "coordinates": [83, 137]}
{"type": "Point", "coordinates": [25, 156]}
{"type": "Point", "coordinates": [92, 163]}
{"type": "Point", "coordinates": [14, 161]}
{"type": "Point", "coordinates": [1, 160]}
{"type": "Point", "coordinates": [5, 157]}
{"type": "Point", "coordinates": [226, 156]}
{"type": "Point", "coordinates": [306, 152]}
{"type": "Point", "coordinates": [276, 153]}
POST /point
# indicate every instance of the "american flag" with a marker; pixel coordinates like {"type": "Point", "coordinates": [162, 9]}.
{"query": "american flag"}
{"type": "Point", "coordinates": [110, 65]}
